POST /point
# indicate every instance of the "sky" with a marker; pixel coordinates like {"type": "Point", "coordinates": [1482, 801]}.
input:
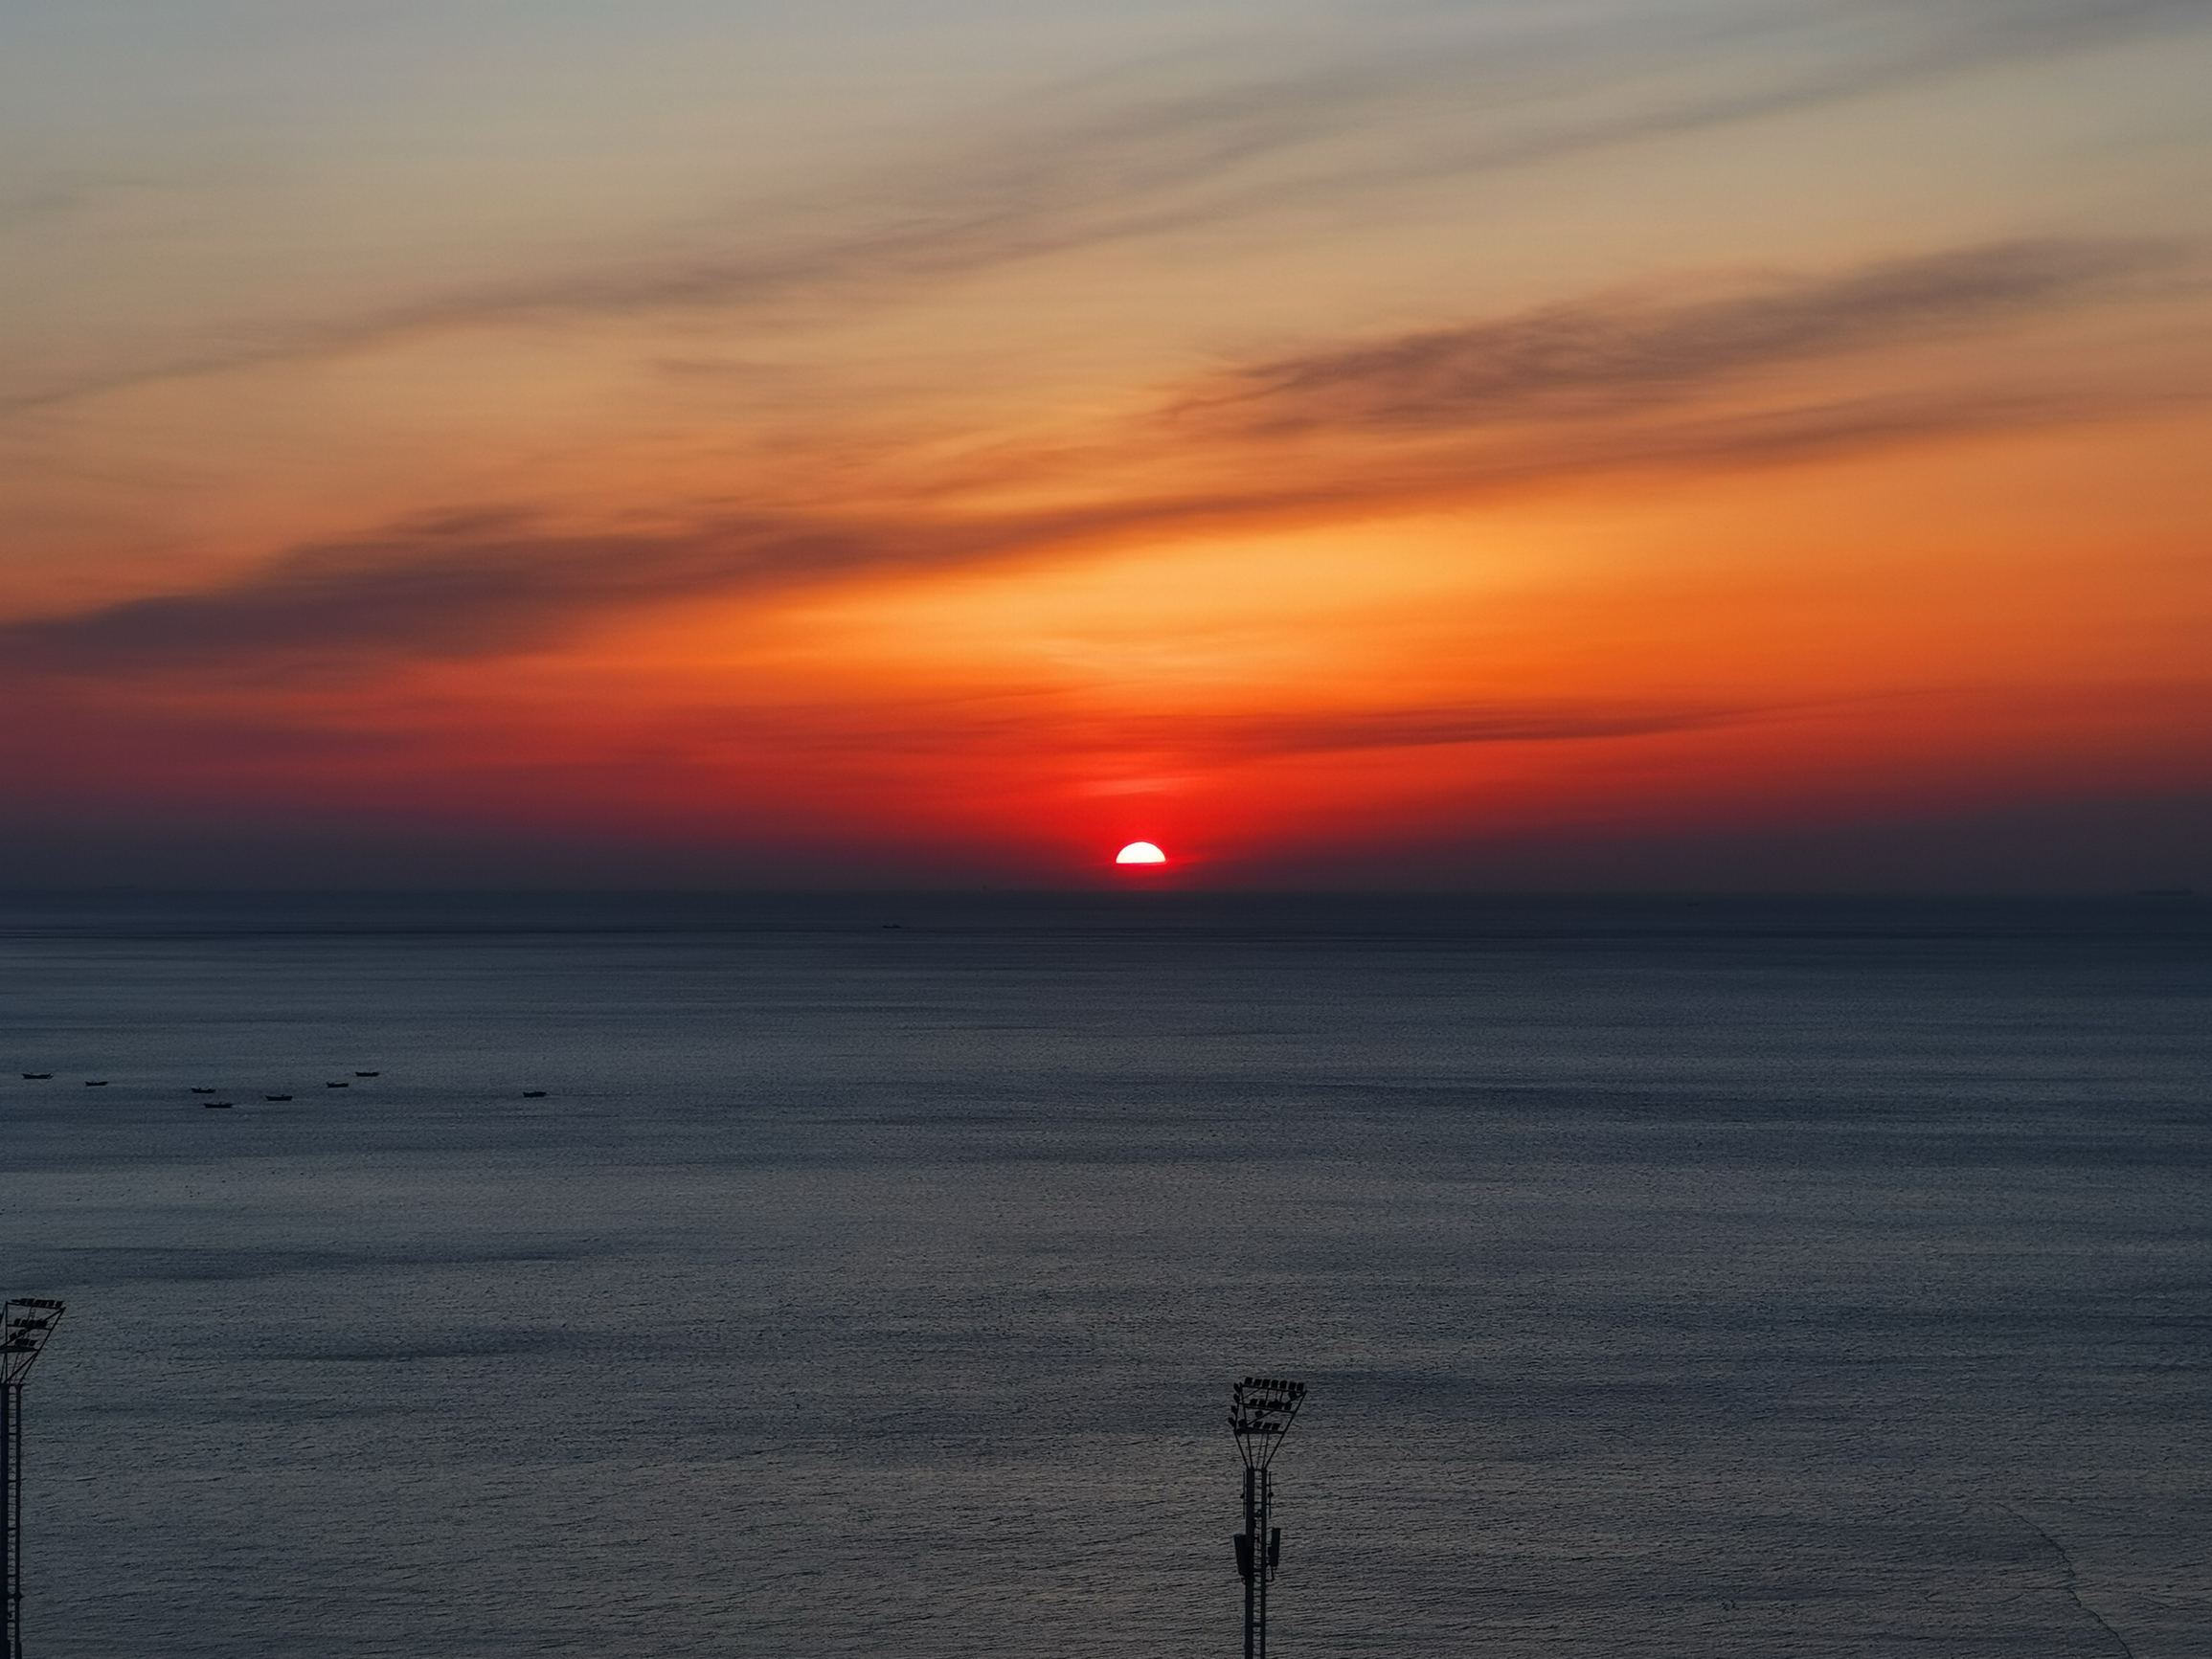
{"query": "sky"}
{"type": "Point", "coordinates": [1585, 445]}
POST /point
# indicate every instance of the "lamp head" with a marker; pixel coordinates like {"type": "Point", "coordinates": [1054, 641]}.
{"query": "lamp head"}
{"type": "Point", "coordinates": [25, 1325]}
{"type": "Point", "coordinates": [1261, 1410]}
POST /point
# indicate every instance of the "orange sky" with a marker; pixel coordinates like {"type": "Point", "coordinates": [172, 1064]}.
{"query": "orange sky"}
{"type": "Point", "coordinates": [1583, 445]}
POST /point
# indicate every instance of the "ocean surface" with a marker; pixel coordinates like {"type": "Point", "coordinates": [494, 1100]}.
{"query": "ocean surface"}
{"type": "Point", "coordinates": [1671, 1278]}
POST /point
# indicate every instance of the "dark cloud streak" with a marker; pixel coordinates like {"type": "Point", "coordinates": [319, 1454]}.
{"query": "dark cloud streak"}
{"type": "Point", "coordinates": [1260, 737]}
{"type": "Point", "coordinates": [1601, 356]}
{"type": "Point", "coordinates": [442, 594]}
{"type": "Point", "coordinates": [965, 726]}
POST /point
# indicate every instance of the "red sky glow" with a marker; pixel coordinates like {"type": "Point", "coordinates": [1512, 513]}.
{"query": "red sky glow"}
{"type": "Point", "coordinates": [1679, 446]}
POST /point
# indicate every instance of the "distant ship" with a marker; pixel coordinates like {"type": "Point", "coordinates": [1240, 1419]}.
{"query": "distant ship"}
{"type": "Point", "coordinates": [275, 1097]}
{"type": "Point", "coordinates": [37, 1076]}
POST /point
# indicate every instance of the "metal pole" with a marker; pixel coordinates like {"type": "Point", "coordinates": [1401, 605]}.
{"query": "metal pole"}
{"type": "Point", "coordinates": [26, 1322]}
{"type": "Point", "coordinates": [1250, 1563]}
{"type": "Point", "coordinates": [12, 1504]}
{"type": "Point", "coordinates": [1263, 1569]}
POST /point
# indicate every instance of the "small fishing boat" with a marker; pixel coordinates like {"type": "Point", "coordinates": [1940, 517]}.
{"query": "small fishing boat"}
{"type": "Point", "coordinates": [368, 1074]}
{"type": "Point", "coordinates": [275, 1097]}
{"type": "Point", "coordinates": [203, 1091]}
{"type": "Point", "coordinates": [216, 1105]}
{"type": "Point", "coordinates": [96, 1083]}
{"type": "Point", "coordinates": [533, 1094]}
{"type": "Point", "coordinates": [37, 1076]}
{"type": "Point", "coordinates": [337, 1085]}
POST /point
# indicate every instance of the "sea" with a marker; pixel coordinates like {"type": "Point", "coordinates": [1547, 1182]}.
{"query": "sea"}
{"type": "Point", "coordinates": [782, 1276]}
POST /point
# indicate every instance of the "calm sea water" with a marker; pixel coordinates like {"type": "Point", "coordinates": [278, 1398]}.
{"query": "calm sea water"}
{"type": "Point", "coordinates": [1672, 1279]}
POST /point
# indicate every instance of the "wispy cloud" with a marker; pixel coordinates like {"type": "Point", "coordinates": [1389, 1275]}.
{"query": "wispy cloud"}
{"type": "Point", "coordinates": [1041, 718]}
{"type": "Point", "coordinates": [1246, 737]}
{"type": "Point", "coordinates": [498, 585]}
{"type": "Point", "coordinates": [1202, 140]}
{"type": "Point", "coordinates": [461, 591]}
{"type": "Point", "coordinates": [1593, 386]}
{"type": "Point", "coordinates": [1602, 354]}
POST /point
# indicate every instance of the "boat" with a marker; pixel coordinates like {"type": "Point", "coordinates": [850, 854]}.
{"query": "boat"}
{"type": "Point", "coordinates": [96, 1083]}
{"type": "Point", "coordinates": [275, 1097]}
{"type": "Point", "coordinates": [37, 1076]}
{"type": "Point", "coordinates": [368, 1074]}
{"type": "Point", "coordinates": [203, 1091]}
{"type": "Point", "coordinates": [533, 1094]}
{"type": "Point", "coordinates": [337, 1085]}
{"type": "Point", "coordinates": [216, 1105]}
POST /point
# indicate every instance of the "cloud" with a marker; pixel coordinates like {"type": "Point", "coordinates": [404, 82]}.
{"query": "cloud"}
{"type": "Point", "coordinates": [1043, 718]}
{"type": "Point", "coordinates": [1202, 140]}
{"type": "Point", "coordinates": [1603, 355]}
{"type": "Point", "coordinates": [492, 585]}
{"type": "Point", "coordinates": [1226, 737]}
{"type": "Point", "coordinates": [457, 590]}
{"type": "Point", "coordinates": [1599, 385]}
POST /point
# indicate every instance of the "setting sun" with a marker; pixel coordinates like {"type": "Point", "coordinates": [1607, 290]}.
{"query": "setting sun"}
{"type": "Point", "coordinates": [1140, 852]}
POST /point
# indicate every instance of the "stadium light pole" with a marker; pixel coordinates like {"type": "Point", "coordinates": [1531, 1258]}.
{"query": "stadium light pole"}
{"type": "Point", "coordinates": [24, 1327]}
{"type": "Point", "coordinates": [1261, 1411]}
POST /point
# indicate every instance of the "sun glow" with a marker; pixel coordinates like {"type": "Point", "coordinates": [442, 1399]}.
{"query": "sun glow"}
{"type": "Point", "coordinates": [1140, 852]}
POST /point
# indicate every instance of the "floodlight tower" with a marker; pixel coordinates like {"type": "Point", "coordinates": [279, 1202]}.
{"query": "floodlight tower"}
{"type": "Point", "coordinates": [24, 1327]}
{"type": "Point", "coordinates": [1260, 1414]}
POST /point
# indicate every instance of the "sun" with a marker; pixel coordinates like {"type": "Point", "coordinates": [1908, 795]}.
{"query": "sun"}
{"type": "Point", "coordinates": [1140, 852]}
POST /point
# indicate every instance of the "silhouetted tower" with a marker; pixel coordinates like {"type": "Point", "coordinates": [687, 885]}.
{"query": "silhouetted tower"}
{"type": "Point", "coordinates": [24, 1327]}
{"type": "Point", "coordinates": [1260, 1414]}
